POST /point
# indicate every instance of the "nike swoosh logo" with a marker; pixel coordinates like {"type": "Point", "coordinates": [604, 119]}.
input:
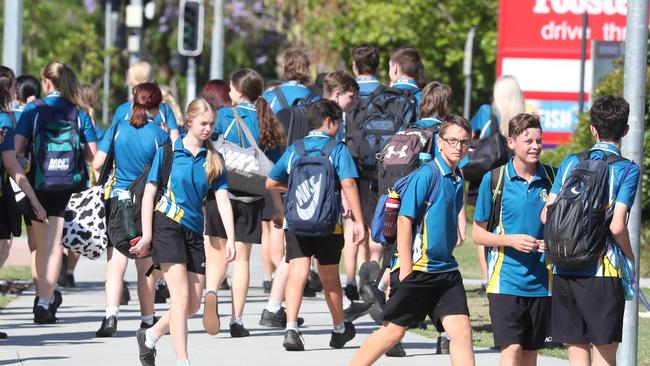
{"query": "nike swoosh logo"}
{"type": "Point", "coordinates": [574, 190]}
{"type": "Point", "coordinates": [308, 192]}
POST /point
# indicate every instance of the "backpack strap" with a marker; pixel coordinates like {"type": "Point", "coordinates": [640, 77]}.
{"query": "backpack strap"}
{"type": "Point", "coordinates": [243, 127]}
{"type": "Point", "coordinates": [167, 162]}
{"type": "Point", "coordinates": [110, 158]}
{"type": "Point", "coordinates": [550, 175]}
{"type": "Point", "coordinates": [431, 193]}
{"type": "Point", "coordinates": [329, 147]}
{"type": "Point", "coordinates": [497, 183]}
{"type": "Point", "coordinates": [494, 123]}
{"type": "Point", "coordinates": [299, 147]}
{"type": "Point", "coordinates": [281, 98]}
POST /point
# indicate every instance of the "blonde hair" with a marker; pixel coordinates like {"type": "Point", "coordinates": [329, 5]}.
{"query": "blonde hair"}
{"type": "Point", "coordinates": [140, 72]}
{"type": "Point", "coordinates": [214, 164]}
{"type": "Point", "coordinates": [168, 97]}
{"type": "Point", "coordinates": [66, 82]}
{"type": "Point", "coordinates": [89, 94]}
{"type": "Point", "coordinates": [508, 101]}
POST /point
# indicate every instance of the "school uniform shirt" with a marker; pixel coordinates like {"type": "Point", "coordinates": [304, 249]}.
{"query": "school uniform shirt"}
{"type": "Point", "coordinates": [316, 140]}
{"type": "Point", "coordinates": [618, 191]}
{"type": "Point", "coordinates": [510, 271]}
{"type": "Point", "coordinates": [165, 115]}
{"type": "Point", "coordinates": [291, 90]}
{"type": "Point", "coordinates": [226, 124]}
{"type": "Point", "coordinates": [188, 185]}
{"type": "Point", "coordinates": [367, 85]}
{"type": "Point", "coordinates": [409, 84]}
{"type": "Point", "coordinates": [434, 244]}
{"type": "Point", "coordinates": [429, 122]}
{"type": "Point", "coordinates": [482, 121]}
{"type": "Point", "coordinates": [134, 148]}
{"type": "Point", "coordinates": [18, 110]}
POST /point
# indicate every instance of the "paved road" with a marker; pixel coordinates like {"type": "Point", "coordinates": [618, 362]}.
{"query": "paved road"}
{"type": "Point", "coordinates": [72, 341]}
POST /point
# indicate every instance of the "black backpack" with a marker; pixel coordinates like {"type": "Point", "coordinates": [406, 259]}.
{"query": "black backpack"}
{"type": "Point", "coordinates": [401, 154]}
{"type": "Point", "coordinates": [577, 223]}
{"type": "Point", "coordinates": [293, 117]}
{"type": "Point", "coordinates": [371, 122]}
{"type": "Point", "coordinates": [486, 153]}
{"type": "Point", "coordinates": [125, 220]}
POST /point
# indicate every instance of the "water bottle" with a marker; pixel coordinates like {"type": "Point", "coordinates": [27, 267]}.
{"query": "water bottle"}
{"type": "Point", "coordinates": [390, 217]}
{"type": "Point", "coordinates": [126, 217]}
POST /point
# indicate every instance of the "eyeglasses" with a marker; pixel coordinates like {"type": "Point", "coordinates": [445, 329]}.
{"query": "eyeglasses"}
{"type": "Point", "coordinates": [453, 142]}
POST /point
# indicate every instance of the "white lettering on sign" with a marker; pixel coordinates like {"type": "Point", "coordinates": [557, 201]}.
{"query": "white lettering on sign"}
{"type": "Point", "coordinates": [58, 164]}
{"type": "Point", "coordinates": [563, 31]}
{"type": "Point", "coordinates": [557, 119]}
{"type": "Point", "coordinates": [592, 7]}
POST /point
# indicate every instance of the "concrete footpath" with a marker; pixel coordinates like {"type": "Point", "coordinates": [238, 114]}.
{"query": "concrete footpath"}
{"type": "Point", "coordinates": [72, 341]}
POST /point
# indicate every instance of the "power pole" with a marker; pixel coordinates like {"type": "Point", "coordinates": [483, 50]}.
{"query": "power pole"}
{"type": "Point", "coordinates": [12, 39]}
{"type": "Point", "coordinates": [217, 42]}
{"type": "Point", "coordinates": [467, 70]}
{"type": "Point", "coordinates": [108, 43]}
{"type": "Point", "coordinates": [634, 92]}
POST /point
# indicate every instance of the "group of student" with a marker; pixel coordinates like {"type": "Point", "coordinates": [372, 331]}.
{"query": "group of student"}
{"type": "Point", "coordinates": [194, 223]}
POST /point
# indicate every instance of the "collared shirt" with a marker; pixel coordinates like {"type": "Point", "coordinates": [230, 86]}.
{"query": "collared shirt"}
{"type": "Point", "coordinates": [510, 271]}
{"type": "Point", "coordinates": [618, 191]}
{"type": "Point", "coordinates": [7, 123]}
{"type": "Point", "coordinates": [291, 90]}
{"type": "Point", "coordinates": [226, 124]}
{"type": "Point", "coordinates": [482, 121]}
{"type": "Point", "coordinates": [134, 148]}
{"type": "Point", "coordinates": [165, 115]}
{"type": "Point", "coordinates": [182, 199]}
{"type": "Point", "coordinates": [409, 84]}
{"type": "Point", "coordinates": [434, 244]}
{"type": "Point", "coordinates": [429, 122]}
{"type": "Point", "coordinates": [54, 100]}
{"type": "Point", "coordinates": [367, 84]}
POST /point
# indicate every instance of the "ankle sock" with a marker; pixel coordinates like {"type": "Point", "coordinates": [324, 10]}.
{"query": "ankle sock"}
{"type": "Point", "coordinates": [444, 335]}
{"type": "Point", "coordinates": [112, 311]}
{"type": "Point", "coordinates": [292, 326]}
{"type": "Point", "coordinates": [273, 306]}
{"type": "Point", "coordinates": [183, 363]}
{"type": "Point", "coordinates": [211, 289]}
{"type": "Point", "coordinates": [44, 304]}
{"type": "Point", "coordinates": [353, 283]}
{"type": "Point", "coordinates": [236, 321]}
{"type": "Point", "coordinates": [147, 319]}
{"type": "Point", "coordinates": [339, 329]}
{"type": "Point", "coordinates": [381, 287]}
{"type": "Point", "coordinates": [150, 339]}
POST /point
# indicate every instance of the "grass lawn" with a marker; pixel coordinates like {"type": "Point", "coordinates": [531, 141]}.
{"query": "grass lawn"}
{"type": "Point", "coordinates": [13, 273]}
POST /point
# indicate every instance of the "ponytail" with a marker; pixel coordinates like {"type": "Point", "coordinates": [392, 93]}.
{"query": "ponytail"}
{"type": "Point", "coordinates": [272, 132]}
{"type": "Point", "coordinates": [146, 96]}
{"type": "Point", "coordinates": [213, 162]}
{"type": "Point", "coordinates": [66, 82]}
{"type": "Point", "coordinates": [7, 80]}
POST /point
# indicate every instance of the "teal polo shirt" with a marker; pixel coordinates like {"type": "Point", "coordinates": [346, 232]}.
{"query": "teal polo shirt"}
{"type": "Point", "coordinates": [510, 271]}
{"type": "Point", "coordinates": [7, 123]}
{"type": "Point", "coordinates": [619, 190]}
{"type": "Point", "coordinates": [165, 115]}
{"type": "Point", "coordinates": [182, 199]}
{"type": "Point", "coordinates": [482, 121]}
{"type": "Point", "coordinates": [291, 90]}
{"type": "Point", "coordinates": [367, 85]}
{"type": "Point", "coordinates": [434, 244]}
{"type": "Point", "coordinates": [226, 124]}
{"type": "Point", "coordinates": [409, 84]}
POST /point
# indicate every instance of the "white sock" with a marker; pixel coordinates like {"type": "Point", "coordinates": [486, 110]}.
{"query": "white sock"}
{"type": "Point", "coordinates": [112, 311]}
{"type": "Point", "coordinates": [346, 303]}
{"type": "Point", "coordinates": [150, 339]}
{"type": "Point", "coordinates": [182, 362]}
{"type": "Point", "coordinates": [51, 301]}
{"type": "Point", "coordinates": [234, 320]}
{"type": "Point", "coordinates": [381, 287]}
{"type": "Point", "coordinates": [273, 306]}
{"type": "Point", "coordinates": [44, 304]}
{"type": "Point", "coordinates": [444, 335]}
{"type": "Point", "coordinates": [147, 319]}
{"type": "Point", "coordinates": [352, 282]}
{"type": "Point", "coordinates": [292, 325]}
{"type": "Point", "coordinates": [339, 329]}
{"type": "Point", "coordinates": [211, 289]}
{"type": "Point", "coordinates": [268, 278]}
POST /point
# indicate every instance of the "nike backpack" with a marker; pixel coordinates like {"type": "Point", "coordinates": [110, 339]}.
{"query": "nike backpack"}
{"type": "Point", "coordinates": [577, 223]}
{"type": "Point", "coordinates": [313, 199]}
{"type": "Point", "coordinates": [373, 121]}
{"type": "Point", "coordinates": [293, 117]}
{"type": "Point", "coordinates": [401, 154]}
{"type": "Point", "coordinates": [58, 157]}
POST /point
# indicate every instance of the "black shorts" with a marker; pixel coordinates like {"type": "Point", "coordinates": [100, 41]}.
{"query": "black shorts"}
{"type": "Point", "coordinates": [173, 243]}
{"type": "Point", "coordinates": [369, 195]}
{"type": "Point", "coordinates": [520, 320]}
{"type": "Point", "coordinates": [5, 222]}
{"type": "Point", "coordinates": [421, 294]}
{"type": "Point", "coordinates": [247, 217]}
{"type": "Point", "coordinates": [327, 249]}
{"type": "Point", "coordinates": [269, 208]}
{"type": "Point", "coordinates": [587, 310]}
{"type": "Point", "coordinates": [54, 203]}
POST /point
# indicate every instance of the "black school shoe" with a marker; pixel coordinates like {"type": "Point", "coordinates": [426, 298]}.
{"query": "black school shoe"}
{"type": "Point", "coordinates": [266, 285]}
{"type": "Point", "coordinates": [442, 346]}
{"type": "Point", "coordinates": [356, 310]}
{"type": "Point", "coordinates": [308, 291]}
{"type": "Point", "coordinates": [293, 341]}
{"type": "Point", "coordinates": [351, 292]}
{"type": "Point", "coordinates": [339, 340]}
{"type": "Point", "coordinates": [144, 325]}
{"type": "Point", "coordinates": [126, 296]}
{"type": "Point", "coordinates": [3, 335]}
{"type": "Point", "coordinates": [396, 351]}
{"type": "Point", "coordinates": [58, 300]}
{"type": "Point", "coordinates": [238, 331]}
{"type": "Point", "coordinates": [44, 316]}
{"type": "Point", "coordinates": [108, 327]}
{"type": "Point", "coordinates": [277, 319]}
{"type": "Point", "coordinates": [147, 355]}
{"type": "Point", "coordinates": [314, 281]}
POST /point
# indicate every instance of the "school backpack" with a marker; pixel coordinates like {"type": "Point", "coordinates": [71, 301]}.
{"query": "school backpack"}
{"type": "Point", "coordinates": [294, 117]}
{"type": "Point", "coordinates": [125, 220]}
{"type": "Point", "coordinates": [313, 199]}
{"type": "Point", "coordinates": [401, 154]}
{"type": "Point", "coordinates": [577, 223]}
{"type": "Point", "coordinates": [58, 157]}
{"type": "Point", "coordinates": [486, 153]}
{"type": "Point", "coordinates": [371, 122]}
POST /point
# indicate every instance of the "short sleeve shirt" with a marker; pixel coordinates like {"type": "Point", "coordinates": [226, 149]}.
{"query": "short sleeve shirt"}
{"type": "Point", "coordinates": [165, 116]}
{"type": "Point", "coordinates": [367, 85]}
{"type": "Point", "coordinates": [188, 185]}
{"type": "Point", "coordinates": [482, 121]}
{"type": "Point", "coordinates": [226, 124]}
{"type": "Point", "coordinates": [7, 123]}
{"type": "Point", "coordinates": [409, 84]}
{"type": "Point", "coordinates": [291, 90]}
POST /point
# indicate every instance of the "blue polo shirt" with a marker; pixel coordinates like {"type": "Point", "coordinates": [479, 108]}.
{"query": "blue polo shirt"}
{"type": "Point", "coordinates": [510, 271]}
{"type": "Point", "coordinates": [182, 200]}
{"type": "Point", "coordinates": [18, 110]}
{"type": "Point", "coordinates": [367, 85]}
{"type": "Point", "coordinates": [409, 84]}
{"type": "Point", "coordinates": [134, 148]}
{"type": "Point", "coordinates": [29, 115]}
{"type": "Point", "coordinates": [428, 123]}
{"type": "Point", "coordinates": [481, 122]}
{"type": "Point", "coordinates": [165, 115]}
{"type": "Point", "coordinates": [434, 244]}
{"type": "Point", "coordinates": [291, 90]}
{"type": "Point", "coordinates": [8, 124]}
{"type": "Point", "coordinates": [226, 123]}
{"type": "Point", "coordinates": [608, 265]}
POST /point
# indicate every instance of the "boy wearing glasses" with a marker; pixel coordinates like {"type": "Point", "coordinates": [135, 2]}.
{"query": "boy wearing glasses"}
{"type": "Point", "coordinates": [425, 277]}
{"type": "Point", "coordinates": [518, 273]}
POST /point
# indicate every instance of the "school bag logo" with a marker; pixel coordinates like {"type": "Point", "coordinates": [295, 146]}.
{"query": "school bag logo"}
{"type": "Point", "coordinates": [58, 157]}
{"type": "Point", "coordinates": [577, 225]}
{"type": "Point", "coordinates": [313, 200]}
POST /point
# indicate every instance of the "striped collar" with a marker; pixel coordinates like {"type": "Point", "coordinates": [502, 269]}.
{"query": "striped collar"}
{"type": "Point", "coordinates": [317, 133]}
{"type": "Point", "coordinates": [606, 147]}
{"type": "Point", "coordinates": [366, 79]}
{"type": "Point", "coordinates": [246, 105]}
{"type": "Point", "coordinates": [406, 82]}
{"type": "Point", "coordinates": [292, 83]}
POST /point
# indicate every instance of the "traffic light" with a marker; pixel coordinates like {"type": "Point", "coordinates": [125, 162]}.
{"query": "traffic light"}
{"type": "Point", "coordinates": [190, 28]}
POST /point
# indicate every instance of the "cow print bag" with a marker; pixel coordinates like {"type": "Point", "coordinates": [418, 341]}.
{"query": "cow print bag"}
{"type": "Point", "coordinates": [84, 226]}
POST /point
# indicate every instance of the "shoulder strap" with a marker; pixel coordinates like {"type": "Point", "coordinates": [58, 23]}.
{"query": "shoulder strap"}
{"type": "Point", "coordinates": [583, 156]}
{"type": "Point", "coordinates": [299, 146]}
{"type": "Point", "coordinates": [614, 158]}
{"type": "Point", "coordinates": [494, 123]}
{"type": "Point", "coordinates": [110, 158]}
{"type": "Point", "coordinates": [166, 171]}
{"type": "Point", "coordinates": [329, 147]}
{"type": "Point", "coordinates": [243, 127]}
{"type": "Point", "coordinates": [550, 174]}
{"type": "Point", "coordinates": [431, 192]}
{"type": "Point", "coordinates": [496, 187]}
{"type": "Point", "coordinates": [281, 98]}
